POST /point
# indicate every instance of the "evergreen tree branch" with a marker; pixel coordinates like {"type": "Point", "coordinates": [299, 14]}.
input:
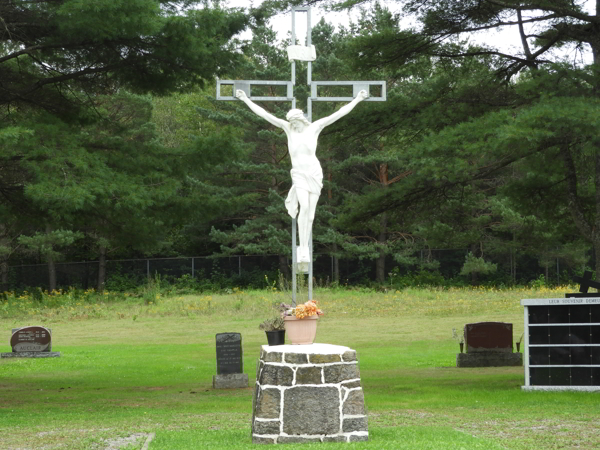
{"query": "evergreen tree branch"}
{"type": "Point", "coordinates": [524, 42]}
{"type": "Point", "coordinates": [548, 6]}
{"type": "Point", "coordinates": [503, 24]}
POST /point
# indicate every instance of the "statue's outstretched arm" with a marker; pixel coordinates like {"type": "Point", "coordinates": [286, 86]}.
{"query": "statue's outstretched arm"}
{"type": "Point", "coordinates": [322, 123]}
{"type": "Point", "coordinates": [260, 111]}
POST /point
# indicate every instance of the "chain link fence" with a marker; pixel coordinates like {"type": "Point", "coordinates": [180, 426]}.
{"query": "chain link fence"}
{"type": "Point", "coordinates": [130, 273]}
{"type": "Point", "coordinates": [244, 270]}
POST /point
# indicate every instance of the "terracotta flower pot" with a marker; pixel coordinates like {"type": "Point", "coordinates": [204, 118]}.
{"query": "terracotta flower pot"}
{"type": "Point", "coordinates": [301, 331]}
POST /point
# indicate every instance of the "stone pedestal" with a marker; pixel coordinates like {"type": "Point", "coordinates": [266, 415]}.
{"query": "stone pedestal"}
{"type": "Point", "coordinates": [488, 359]}
{"type": "Point", "coordinates": [308, 393]}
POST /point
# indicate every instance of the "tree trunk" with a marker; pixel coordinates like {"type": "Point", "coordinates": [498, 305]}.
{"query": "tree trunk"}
{"type": "Point", "coordinates": [51, 274]}
{"type": "Point", "coordinates": [336, 260]}
{"type": "Point", "coordinates": [589, 231]}
{"type": "Point", "coordinates": [474, 275]}
{"type": "Point", "coordinates": [101, 268]}
{"type": "Point", "coordinates": [51, 267]}
{"type": "Point", "coordinates": [596, 253]}
{"type": "Point", "coordinates": [284, 268]}
{"type": "Point", "coordinates": [336, 265]}
{"type": "Point", "coordinates": [514, 268]}
{"type": "Point", "coordinates": [4, 275]}
{"type": "Point", "coordinates": [380, 262]}
{"type": "Point", "coordinates": [4, 242]}
{"type": "Point", "coordinates": [595, 235]}
{"type": "Point", "coordinates": [595, 46]}
{"type": "Point", "coordinates": [514, 260]}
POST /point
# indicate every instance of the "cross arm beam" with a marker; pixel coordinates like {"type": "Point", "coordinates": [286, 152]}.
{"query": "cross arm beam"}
{"type": "Point", "coordinates": [246, 86]}
{"type": "Point", "coordinates": [357, 86]}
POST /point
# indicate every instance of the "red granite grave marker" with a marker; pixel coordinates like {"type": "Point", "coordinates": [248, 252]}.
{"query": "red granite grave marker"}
{"type": "Point", "coordinates": [31, 339]}
{"type": "Point", "coordinates": [489, 337]}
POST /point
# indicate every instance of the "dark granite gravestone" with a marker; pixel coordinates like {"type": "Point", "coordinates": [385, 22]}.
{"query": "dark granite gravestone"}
{"type": "Point", "coordinates": [489, 337]}
{"type": "Point", "coordinates": [229, 353]}
{"type": "Point", "coordinates": [31, 342]}
{"type": "Point", "coordinates": [489, 344]}
{"type": "Point", "coordinates": [230, 362]}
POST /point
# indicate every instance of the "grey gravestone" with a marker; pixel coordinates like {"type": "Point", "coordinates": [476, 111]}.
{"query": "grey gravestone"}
{"type": "Point", "coordinates": [489, 344]}
{"type": "Point", "coordinates": [230, 362]}
{"type": "Point", "coordinates": [31, 342]}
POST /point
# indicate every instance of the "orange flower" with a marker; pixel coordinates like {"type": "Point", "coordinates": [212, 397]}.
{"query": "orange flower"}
{"type": "Point", "coordinates": [301, 312]}
{"type": "Point", "coordinates": [307, 309]}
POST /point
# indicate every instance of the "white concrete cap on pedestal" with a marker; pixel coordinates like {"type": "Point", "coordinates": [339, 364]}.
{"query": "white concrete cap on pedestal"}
{"type": "Point", "coordinates": [314, 349]}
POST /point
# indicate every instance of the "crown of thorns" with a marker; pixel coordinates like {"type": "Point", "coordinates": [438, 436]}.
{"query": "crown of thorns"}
{"type": "Point", "coordinates": [296, 114]}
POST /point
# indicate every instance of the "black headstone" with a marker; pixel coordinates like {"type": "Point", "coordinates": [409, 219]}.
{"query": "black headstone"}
{"type": "Point", "coordinates": [229, 353]}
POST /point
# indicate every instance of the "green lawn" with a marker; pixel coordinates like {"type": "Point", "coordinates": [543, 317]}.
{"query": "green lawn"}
{"type": "Point", "coordinates": [130, 368]}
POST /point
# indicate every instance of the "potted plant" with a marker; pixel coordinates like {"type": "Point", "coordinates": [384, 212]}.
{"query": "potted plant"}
{"type": "Point", "coordinates": [519, 342]}
{"type": "Point", "coordinates": [460, 338]}
{"type": "Point", "coordinates": [301, 322]}
{"type": "Point", "coordinates": [274, 329]}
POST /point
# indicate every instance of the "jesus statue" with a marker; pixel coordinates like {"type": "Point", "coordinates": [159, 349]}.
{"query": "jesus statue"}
{"type": "Point", "coordinates": [307, 174]}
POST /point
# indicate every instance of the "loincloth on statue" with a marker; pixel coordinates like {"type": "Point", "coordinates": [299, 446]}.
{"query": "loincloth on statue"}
{"type": "Point", "coordinates": [311, 182]}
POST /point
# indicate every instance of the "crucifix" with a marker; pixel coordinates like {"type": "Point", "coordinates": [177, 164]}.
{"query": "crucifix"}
{"type": "Point", "coordinates": [302, 135]}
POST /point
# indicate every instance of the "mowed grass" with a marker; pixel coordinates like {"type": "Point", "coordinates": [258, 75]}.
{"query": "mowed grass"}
{"type": "Point", "coordinates": [129, 369]}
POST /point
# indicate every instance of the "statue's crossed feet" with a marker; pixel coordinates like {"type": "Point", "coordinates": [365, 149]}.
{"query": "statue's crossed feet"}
{"type": "Point", "coordinates": [303, 255]}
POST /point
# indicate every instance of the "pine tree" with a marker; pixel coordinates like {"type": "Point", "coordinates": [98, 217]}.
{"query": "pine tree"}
{"type": "Point", "coordinates": [78, 150]}
{"type": "Point", "coordinates": [57, 55]}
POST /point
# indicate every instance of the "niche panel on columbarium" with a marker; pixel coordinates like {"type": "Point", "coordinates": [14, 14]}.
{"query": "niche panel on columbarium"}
{"type": "Point", "coordinates": [562, 344]}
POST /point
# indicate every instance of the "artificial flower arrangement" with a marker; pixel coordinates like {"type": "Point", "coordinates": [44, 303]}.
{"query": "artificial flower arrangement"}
{"type": "Point", "coordinates": [308, 309]}
{"type": "Point", "coordinates": [272, 324]}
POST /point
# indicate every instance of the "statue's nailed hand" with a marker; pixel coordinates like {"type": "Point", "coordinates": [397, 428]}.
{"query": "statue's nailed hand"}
{"type": "Point", "coordinates": [363, 95]}
{"type": "Point", "coordinates": [240, 94]}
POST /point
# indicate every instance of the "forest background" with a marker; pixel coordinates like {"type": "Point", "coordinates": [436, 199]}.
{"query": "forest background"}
{"type": "Point", "coordinates": [113, 145]}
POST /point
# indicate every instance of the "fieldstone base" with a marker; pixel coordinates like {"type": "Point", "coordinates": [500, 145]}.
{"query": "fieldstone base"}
{"type": "Point", "coordinates": [230, 381]}
{"type": "Point", "coordinates": [489, 359]}
{"type": "Point", "coordinates": [308, 393]}
{"type": "Point", "coordinates": [30, 355]}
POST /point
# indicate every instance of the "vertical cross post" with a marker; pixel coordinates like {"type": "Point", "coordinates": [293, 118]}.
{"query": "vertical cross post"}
{"type": "Point", "coordinates": [294, 259]}
{"type": "Point", "coordinates": [295, 265]}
